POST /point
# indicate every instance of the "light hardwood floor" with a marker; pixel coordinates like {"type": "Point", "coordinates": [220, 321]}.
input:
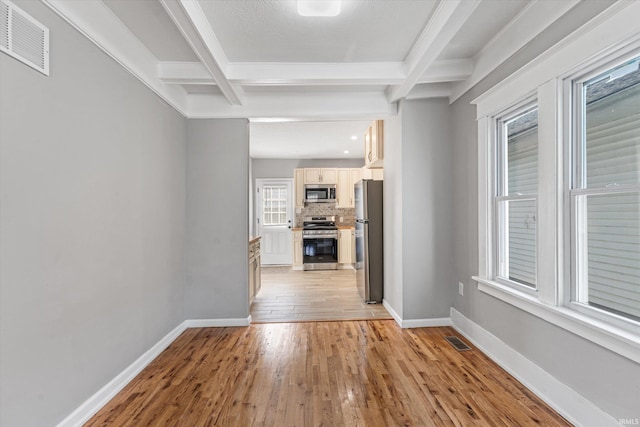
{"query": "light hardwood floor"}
{"type": "Point", "coordinates": [293, 296]}
{"type": "Point", "coordinates": [355, 373]}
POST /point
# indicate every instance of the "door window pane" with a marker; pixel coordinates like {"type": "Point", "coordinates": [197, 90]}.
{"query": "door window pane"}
{"type": "Point", "coordinates": [274, 205]}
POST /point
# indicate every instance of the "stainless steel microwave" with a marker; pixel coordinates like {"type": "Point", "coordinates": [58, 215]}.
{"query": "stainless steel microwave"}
{"type": "Point", "coordinates": [319, 193]}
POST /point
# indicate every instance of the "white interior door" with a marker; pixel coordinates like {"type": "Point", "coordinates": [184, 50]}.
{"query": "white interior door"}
{"type": "Point", "coordinates": [274, 209]}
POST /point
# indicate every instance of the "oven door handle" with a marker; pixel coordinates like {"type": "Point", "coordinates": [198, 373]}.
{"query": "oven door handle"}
{"type": "Point", "coordinates": [316, 236]}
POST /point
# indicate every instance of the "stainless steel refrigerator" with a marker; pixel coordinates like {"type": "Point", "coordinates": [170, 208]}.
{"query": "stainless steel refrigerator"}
{"type": "Point", "coordinates": [369, 255]}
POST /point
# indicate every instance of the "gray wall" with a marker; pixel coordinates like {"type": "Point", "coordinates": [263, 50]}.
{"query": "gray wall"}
{"type": "Point", "coordinates": [92, 225]}
{"type": "Point", "coordinates": [418, 209]}
{"type": "Point", "coordinates": [605, 378]}
{"type": "Point", "coordinates": [217, 211]}
{"type": "Point", "coordinates": [427, 248]}
{"type": "Point", "coordinates": [392, 212]}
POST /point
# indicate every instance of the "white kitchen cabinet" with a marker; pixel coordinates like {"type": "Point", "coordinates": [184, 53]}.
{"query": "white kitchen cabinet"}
{"type": "Point", "coordinates": [374, 174]}
{"type": "Point", "coordinates": [344, 188]}
{"type": "Point", "coordinates": [298, 185]}
{"type": "Point", "coordinates": [356, 175]}
{"type": "Point", "coordinates": [373, 144]}
{"type": "Point", "coordinates": [347, 178]}
{"type": "Point", "coordinates": [320, 176]}
{"type": "Point", "coordinates": [297, 249]}
{"type": "Point", "coordinates": [344, 246]}
{"type": "Point", "coordinates": [255, 281]}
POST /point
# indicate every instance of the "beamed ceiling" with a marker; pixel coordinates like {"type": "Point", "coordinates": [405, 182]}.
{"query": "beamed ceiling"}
{"type": "Point", "coordinates": [259, 59]}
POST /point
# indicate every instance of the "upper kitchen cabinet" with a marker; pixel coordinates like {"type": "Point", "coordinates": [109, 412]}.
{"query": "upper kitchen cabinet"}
{"type": "Point", "coordinates": [298, 185]}
{"type": "Point", "coordinates": [347, 178]}
{"type": "Point", "coordinates": [373, 144]}
{"type": "Point", "coordinates": [320, 176]}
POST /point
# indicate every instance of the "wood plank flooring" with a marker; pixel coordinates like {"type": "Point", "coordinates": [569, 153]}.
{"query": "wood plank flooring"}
{"type": "Point", "coordinates": [293, 296]}
{"type": "Point", "coordinates": [355, 373]}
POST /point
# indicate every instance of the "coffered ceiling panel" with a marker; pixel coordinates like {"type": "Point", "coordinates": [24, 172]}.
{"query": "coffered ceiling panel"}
{"type": "Point", "coordinates": [272, 30]}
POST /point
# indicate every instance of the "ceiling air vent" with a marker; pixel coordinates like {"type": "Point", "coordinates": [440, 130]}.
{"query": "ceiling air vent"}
{"type": "Point", "coordinates": [23, 37]}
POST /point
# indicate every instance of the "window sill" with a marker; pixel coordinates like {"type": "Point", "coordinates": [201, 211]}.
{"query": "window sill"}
{"type": "Point", "coordinates": [613, 338]}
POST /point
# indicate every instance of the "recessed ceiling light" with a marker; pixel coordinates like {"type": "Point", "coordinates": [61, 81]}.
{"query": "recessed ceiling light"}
{"type": "Point", "coordinates": [353, 137]}
{"type": "Point", "coordinates": [319, 7]}
{"type": "Point", "coordinates": [346, 151]}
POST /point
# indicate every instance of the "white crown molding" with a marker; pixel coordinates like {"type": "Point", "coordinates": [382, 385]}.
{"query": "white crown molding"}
{"type": "Point", "coordinates": [320, 106]}
{"type": "Point", "coordinates": [531, 21]}
{"type": "Point", "coordinates": [196, 29]}
{"type": "Point", "coordinates": [570, 404]}
{"type": "Point", "coordinates": [96, 21]}
{"type": "Point", "coordinates": [445, 22]}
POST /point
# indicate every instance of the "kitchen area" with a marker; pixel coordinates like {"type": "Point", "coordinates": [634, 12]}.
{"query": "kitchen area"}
{"type": "Point", "coordinates": [335, 230]}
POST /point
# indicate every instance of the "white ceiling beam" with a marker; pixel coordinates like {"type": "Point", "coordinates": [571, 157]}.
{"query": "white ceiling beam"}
{"type": "Point", "coordinates": [295, 74]}
{"type": "Point", "coordinates": [430, 90]}
{"type": "Point", "coordinates": [196, 29]}
{"type": "Point", "coordinates": [312, 74]}
{"type": "Point", "coordinates": [531, 21]}
{"type": "Point", "coordinates": [445, 22]}
{"type": "Point", "coordinates": [286, 74]}
{"type": "Point", "coordinates": [447, 70]}
{"type": "Point", "coordinates": [315, 106]}
{"type": "Point", "coordinates": [97, 22]}
{"type": "Point", "coordinates": [184, 73]}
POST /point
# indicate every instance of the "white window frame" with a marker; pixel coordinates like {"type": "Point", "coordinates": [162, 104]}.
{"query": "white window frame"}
{"type": "Point", "coordinates": [499, 149]}
{"type": "Point", "coordinates": [575, 187]}
{"type": "Point", "coordinates": [611, 34]}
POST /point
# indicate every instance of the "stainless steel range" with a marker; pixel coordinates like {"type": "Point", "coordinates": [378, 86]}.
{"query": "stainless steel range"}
{"type": "Point", "coordinates": [319, 243]}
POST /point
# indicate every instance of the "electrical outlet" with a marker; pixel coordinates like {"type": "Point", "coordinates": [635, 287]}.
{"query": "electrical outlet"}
{"type": "Point", "coordinates": [461, 288]}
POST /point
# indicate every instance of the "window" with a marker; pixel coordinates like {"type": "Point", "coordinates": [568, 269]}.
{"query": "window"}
{"type": "Point", "coordinates": [559, 185]}
{"type": "Point", "coordinates": [606, 191]}
{"type": "Point", "coordinates": [274, 205]}
{"type": "Point", "coordinates": [517, 187]}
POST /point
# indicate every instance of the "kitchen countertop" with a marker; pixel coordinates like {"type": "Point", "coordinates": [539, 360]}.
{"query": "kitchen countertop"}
{"type": "Point", "coordinates": [345, 227]}
{"type": "Point", "coordinates": [296, 228]}
{"type": "Point", "coordinates": [254, 239]}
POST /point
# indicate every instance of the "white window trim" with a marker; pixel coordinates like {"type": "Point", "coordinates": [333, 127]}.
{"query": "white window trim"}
{"type": "Point", "coordinates": [612, 32]}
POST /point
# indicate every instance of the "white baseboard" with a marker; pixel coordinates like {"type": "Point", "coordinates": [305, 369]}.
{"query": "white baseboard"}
{"type": "Point", "coordinates": [218, 323]}
{"type": "Point", "coordinates": [416, 323]}
{"type": "Point", "coordinates": [571, 405]}
{"type": "Point", "coordinates": [392, 312]}
{"type": "Point", "coordinates": [426, 323]}
{"type": "Point", "coordinates": [94, 403]}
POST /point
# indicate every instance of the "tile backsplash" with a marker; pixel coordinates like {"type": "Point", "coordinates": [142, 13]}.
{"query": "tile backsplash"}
{"type": "Point", "coordinates": [327, 209]}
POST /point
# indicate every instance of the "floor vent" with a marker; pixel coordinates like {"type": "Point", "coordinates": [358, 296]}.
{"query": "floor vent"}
{"type": "Point", "coordinates": [23, 37]}
{"type": "Point", "coordinates": [457, 343]}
